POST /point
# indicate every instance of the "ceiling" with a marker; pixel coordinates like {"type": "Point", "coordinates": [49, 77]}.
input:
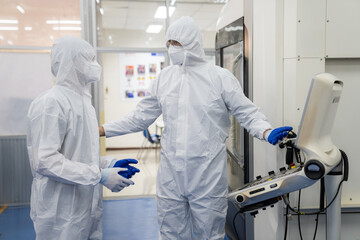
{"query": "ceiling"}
{"type": "Point", "coordinates": [124, 23]}
{"type": "Point", "coordinates": [134, 15]}
{"type": "Point", "coordinates": [118, 15]}
{"type": "Point", "coordinates": [37, 12]}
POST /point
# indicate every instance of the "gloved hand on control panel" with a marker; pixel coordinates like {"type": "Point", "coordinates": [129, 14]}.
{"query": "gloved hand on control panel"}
{"type": "Point", "coordinates": [275, 135]}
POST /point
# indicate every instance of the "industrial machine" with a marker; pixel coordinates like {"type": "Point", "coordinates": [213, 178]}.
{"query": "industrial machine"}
{"type": "Point", "coordinates": [322, 159]}
{"type": "Point", "coordinates": [230, 54]}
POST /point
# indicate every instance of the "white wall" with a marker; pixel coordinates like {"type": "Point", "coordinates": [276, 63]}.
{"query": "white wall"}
{"type": "Point", "coordinates": [315, 34]}
{"type": "Point", "coordinates": [345, 137]}
{"type": "Point", "coordinates": [115, 106]}
{"type": "Point", "coordinates": [267, 94]}
{"type": "Point", "coordinates": [292, 41]}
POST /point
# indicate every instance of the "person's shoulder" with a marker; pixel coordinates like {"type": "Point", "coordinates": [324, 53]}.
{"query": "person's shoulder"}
{"type": "Point", "coordinates": [44, 97]}
{"type": "Point", "coordinates": [168, 69]}
{"type": "Point", "coordinates": [219, 72]}
{"type": "Point", "coordinates": [46, 102]}
{"type": "Point", "coordinates": [222, 71]}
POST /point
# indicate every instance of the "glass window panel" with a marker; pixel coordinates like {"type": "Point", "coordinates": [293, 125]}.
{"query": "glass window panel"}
{"type": "Point", "coordinates": [125, 24]}
{"type": "Point", "coordinates": [28, 24]}
{"type": "Point", "coordinates": [23, 76]}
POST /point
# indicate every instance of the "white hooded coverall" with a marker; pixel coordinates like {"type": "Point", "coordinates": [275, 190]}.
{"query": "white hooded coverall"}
{"type": "Point", "coordinates": [195, 99]}
{"type": "Point", "coordinates": [63, 147]}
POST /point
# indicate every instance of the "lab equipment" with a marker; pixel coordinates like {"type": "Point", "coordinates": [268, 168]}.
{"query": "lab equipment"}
{"type": "Point", "coordinates": [322, 156]}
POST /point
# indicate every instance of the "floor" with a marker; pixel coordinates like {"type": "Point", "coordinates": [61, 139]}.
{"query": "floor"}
{"type": "Point", "coordinates": [128, 218]}
{"type": "Point", "coordinates": [130, 213]}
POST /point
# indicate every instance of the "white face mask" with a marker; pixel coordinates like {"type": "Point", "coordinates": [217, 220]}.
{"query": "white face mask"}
{"type": "Point", "coordinates": [176, 54]}
{"type": "Point", "coordinates": [93, 72]}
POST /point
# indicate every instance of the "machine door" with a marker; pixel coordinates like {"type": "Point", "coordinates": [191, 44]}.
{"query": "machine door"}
{"type": "Point", "coordinates": [230, 55]}
{"type": "Point", "coordinates": [233, 61]}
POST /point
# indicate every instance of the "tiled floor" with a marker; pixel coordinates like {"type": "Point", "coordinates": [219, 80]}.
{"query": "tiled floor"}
{"type": "Point", "coordinates": [131, 216]}
{"type": "Point", "coordinates": [130, 219]}
{"type": "Point", "coordinates": [15, 223]}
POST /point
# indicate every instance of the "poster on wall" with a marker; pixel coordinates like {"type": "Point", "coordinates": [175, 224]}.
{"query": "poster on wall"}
{"type": "Point", "coordinates": [152, 68]}
{"type": "Point", "coordinates": [129, 71]}
{"type": "Point", "coordinates": [139, 69]}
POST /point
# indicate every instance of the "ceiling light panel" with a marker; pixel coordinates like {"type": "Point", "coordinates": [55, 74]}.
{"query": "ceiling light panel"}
{"type": "Point", "coordinates": [154, 28]}
{"type": "Point", "coordinates": [161, 12]}
{"type": "Point", "coordinates": [18, 7]}
{"type": "Point", "coordinates": [63, 22]}
{"type": "Point", "coordinates": [8, 21]}
{"type": "Point", "coordinates": [67, 28]}
{"type": "Point", "coordinates": [5, 28]}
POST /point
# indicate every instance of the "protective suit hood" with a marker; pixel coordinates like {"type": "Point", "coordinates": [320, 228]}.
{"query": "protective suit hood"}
{"type": "Point", "coordinates": [185, 31]}
{"type": "Point", "coordinates": [72, 60]}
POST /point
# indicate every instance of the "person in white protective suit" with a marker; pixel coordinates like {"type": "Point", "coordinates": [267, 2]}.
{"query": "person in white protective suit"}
{"type": "Point", "coordinates": [63, 147]}
{"type": "Point", "coordinates": [195, 98]}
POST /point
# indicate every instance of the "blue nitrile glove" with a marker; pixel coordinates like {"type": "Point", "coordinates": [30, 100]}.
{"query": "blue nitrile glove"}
{"type": "Point", "coordinates": [111, 179]}
{"type": "Point", "coordinates": [125, 164]}
{"type": "Point", "coordinates": [277, 134]}
{"type": "Point", "coordinates": [130, 172]}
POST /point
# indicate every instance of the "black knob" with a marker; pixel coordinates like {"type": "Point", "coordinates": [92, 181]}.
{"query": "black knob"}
{"type": "Point", "coordinates": [258, 177]}
{"type": "Point", "coordinates": [314, 169]}
{"type": "Point", "coordinates": [239, 198]}
{"type": "Point", "coordinates": [271, 173]}
{"type": "Point", "coordinates": [283, 169]}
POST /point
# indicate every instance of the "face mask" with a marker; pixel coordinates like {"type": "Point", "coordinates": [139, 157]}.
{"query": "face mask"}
{"type": "Point", "coordinates": [176, 54]}
{"type": "Point", "coordinates": [93, 72]}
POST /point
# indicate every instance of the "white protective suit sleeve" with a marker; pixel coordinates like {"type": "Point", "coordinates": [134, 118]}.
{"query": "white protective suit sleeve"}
{"type": "Point", "coordinates": [50, 162]}
{"type": "Point", "coordinates": [245, 111]}
{"type": "Point", "coordinates": [106, 161]}
{"type": "Point", "coordinates": [146, 112]}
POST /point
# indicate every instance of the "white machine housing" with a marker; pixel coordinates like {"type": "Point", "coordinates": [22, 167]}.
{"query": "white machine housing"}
{"type": "Point", "coordinates": [314, 139]}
